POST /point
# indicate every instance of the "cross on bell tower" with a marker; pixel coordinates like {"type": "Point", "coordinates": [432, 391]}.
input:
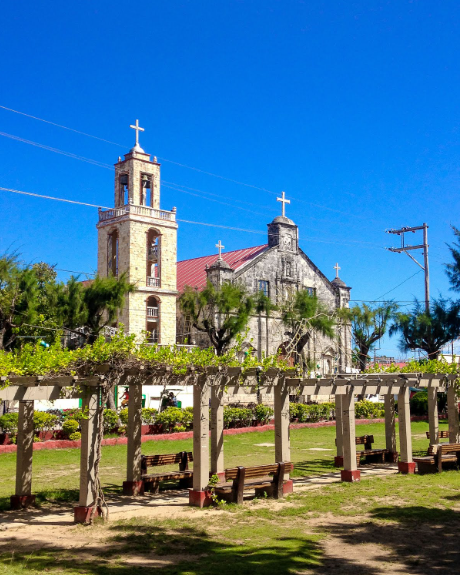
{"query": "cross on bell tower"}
{"type": "Point", "coordinates": [283, 203]}
{"type": "Point", "coordinates": [138, 129]}
{"type": "Point", "coordinates": [337, 268]}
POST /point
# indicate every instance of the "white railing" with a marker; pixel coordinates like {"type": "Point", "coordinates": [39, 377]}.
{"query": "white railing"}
{"type": "Point", "coordinates": [138, 210]}
{"type": "Point", "coordinates": [152, 312]}
{"type": "Point", "coordinates": [153, 282]}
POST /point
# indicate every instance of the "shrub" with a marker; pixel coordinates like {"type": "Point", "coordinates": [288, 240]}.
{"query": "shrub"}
{"type": "Point", "coordinates": [9, 423]}
{"type": "Point", "coordinates": [419, 403]}
{"type": "Point", "coordinates": [44, 421]}
{"type": "Point", "coordinates": [148, 415]}
{"type": "Point", "coordinates": [70, 426]}
{"type": "Point", "coordinates": [366, 409]}
{"type": "Point", "coordinates": [179, 428]}
{"type": "Point", "coordinates": [73, 413]}
{"type": "Point", "coordinates": [241, 416]}
{"type": "Point", "coordinates": [188, 416]}
{"type": "Point", "coordinates": [110, 419]}
{"type": "Point", "coordinates": [263, 413]}
{"type": "Point", "coordinates": [170, 417]}
{"type": "Point", "coordinates": [75, 436]}
{"type": "Point", "coordinates": [123, 415]}
{"type": "Point", "coordinates": [294, 410]}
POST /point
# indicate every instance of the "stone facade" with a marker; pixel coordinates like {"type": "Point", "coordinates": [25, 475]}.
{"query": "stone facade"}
{"type": "Point", "coordinates": [139, 239]}
{"type": "Point", "coordinates": [281, 269]}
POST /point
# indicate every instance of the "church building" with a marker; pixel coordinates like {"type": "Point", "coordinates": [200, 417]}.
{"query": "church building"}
{"type": "Point", "coordinates": [278, 268]}
{"type": "Point", "coordinates": [139, 239]}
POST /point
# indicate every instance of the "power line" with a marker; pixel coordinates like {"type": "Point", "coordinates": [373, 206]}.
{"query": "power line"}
{"type": "Point", "coordinates": [321, 206]}
{"type": "Point", "coordinates": [52, 198]}
{"type": "Point", "coordinates": [57, 151]}
{"type": "Point", "coordinates": [406, 280]}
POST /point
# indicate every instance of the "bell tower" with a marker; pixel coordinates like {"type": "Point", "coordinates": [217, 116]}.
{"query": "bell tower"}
{"type": "Point", "coordinates": [136, 237]}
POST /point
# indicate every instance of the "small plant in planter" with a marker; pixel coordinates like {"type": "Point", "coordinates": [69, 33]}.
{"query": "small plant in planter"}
{"type": "Point", "coordinates": [122, 429]}
{"type": "Point", "coordinates": [123, 415]}
{"type": "Point", "coordinates": [75, 436]}
{"type": "Point", "coordinates": [44, 424]}
{"type": "Point", "coordinates": [110, 420]}
{"type": "Point", "coordinates": [9, 425]}
{"type": "Point", "coordinates": [263, 413]}
{"type": "Point", "coordinates": [179, 428]}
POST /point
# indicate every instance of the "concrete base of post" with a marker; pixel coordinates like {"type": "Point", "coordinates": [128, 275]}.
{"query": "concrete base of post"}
{"type": "Point", "coordinates": [199, 498]}
{"type": "Point", "coordinates": [82, 514]}
{"type": "Point", "coordinates": [288, 487]}
{"type": "Point", "coordinates": [350, 476]}
{"type": "Point", "coordinates": [392, 457]}
{"type": "Point", "coordinates": [21, 501]}
{"type": "Point", "coordinates": [405, 467]}
{"type": "Point", "coordinates": [133, 488]}
{"type": "Point", "coordinates": [220, 475]}
{"type": "Point", "coordinates": [338, 461]}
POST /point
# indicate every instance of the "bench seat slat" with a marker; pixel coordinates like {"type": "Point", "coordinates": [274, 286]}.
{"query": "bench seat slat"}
{"type": "Point", "coordinates": [155, 477]}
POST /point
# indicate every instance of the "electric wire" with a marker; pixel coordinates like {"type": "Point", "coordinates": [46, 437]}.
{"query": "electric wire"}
{"type": "Point", "coordinates": [321, 206]}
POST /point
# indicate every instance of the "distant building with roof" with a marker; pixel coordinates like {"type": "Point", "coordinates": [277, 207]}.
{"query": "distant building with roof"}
{"type": "Point", "coordinates": [278, 268]}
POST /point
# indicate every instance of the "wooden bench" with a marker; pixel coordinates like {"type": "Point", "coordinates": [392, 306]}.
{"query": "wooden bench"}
{"type": "Point", "coordinates": [437, 456]}
{"type": "Point", "coordinates": [264, 479]}
{"type": "Point", "coordinates": [369, 453]}
{"type": "Point", "coordinates": [372, 454]}
{"type": "Point", "coordinates": [152, 480]}
{"type": "Point", "coordinates": [441, 434]}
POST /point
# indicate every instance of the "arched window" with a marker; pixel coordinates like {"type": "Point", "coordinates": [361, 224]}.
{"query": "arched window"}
{"type": "Point", "coordinates": [153, 319]}
{"type": "Point", "coordinates": [112, 253]}
{"type": "Point", "coordinates": [153, 258]}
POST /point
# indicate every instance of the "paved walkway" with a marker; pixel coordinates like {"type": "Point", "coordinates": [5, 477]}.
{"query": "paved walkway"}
{"type": "Point", "coordinates": [167, 503]}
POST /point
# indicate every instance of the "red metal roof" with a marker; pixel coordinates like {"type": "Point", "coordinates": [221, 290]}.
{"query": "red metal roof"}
{"type": "Point", "coordinates": [193, 272]}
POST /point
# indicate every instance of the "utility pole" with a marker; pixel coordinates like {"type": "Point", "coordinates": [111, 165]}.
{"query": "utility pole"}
{"type": "Point", "coordinates": [404, 248]}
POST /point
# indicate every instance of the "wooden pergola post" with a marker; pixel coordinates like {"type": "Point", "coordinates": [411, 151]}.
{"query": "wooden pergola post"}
{"type": "Point", "coordinates": [134, 484]}
{"type": "Point", "coordinates": [405, 464]}
{"type": "Point", "coordinates": [89, 435]}
{"type": "Point", "coordinates": [350, 472]}
{"type": "Point", "coordinates": [390, 428]}
{"type": "Point", "coordinates": [433, 419]}
{"type": "Point", "coordinates": [217, 431]}
{"type": "Point", "coordinates": [199, 496]}
{"type": "Point", "coordinates": [452, 412]}
{"type": "Point", "coordinates": [25, 447]}
{"type": "Point", "coordinates": [338, 459]}
{"type": "Point", "coordinates": [282, 433]}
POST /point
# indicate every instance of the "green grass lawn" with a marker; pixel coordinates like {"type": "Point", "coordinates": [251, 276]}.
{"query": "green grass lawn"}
{"type": "Point", "coordinates": [56, 472]}
{"type": "Point", "coordinates": [394, 524]}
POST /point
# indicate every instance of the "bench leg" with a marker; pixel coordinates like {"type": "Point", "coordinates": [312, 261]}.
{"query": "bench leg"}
{"type": "Point", "coordinates": [238, 486]}
{"type": "Point", "coordinates": [186, 483]}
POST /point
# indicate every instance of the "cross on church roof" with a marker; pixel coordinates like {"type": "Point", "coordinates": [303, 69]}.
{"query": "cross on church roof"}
{"type": "Point", "coordinates": [220, 247]}
{"type": "Point", "coordinates": [138, 129]}
{"type": "Point", "coordinates": [337, 268]}
{"type": "Point", "coordinates": [283, 203]}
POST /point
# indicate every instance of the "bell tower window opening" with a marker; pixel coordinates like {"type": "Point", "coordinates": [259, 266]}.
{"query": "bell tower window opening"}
{"type": "Point", "coordinates": [112, 254]}
{"type": "Point", "coordinates": [153, 259]}
{"type": "Point", "coordinates": [146, 191]}
{"type": "Point", "coordinates": [153, 319]}
{"type": "Point", "coordinates": [124, 189]}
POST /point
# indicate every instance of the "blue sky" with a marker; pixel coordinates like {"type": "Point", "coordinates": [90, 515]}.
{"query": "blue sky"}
{"type": "Point", "coordinates": [350, 107]}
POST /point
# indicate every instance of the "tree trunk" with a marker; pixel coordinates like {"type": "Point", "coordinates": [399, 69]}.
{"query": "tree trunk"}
{"type": "Point", "coordinates": [111, 400]}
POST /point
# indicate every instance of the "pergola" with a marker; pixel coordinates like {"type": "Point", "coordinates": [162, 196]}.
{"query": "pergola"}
{"type": "Point", "coordinates": [209, 387]}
